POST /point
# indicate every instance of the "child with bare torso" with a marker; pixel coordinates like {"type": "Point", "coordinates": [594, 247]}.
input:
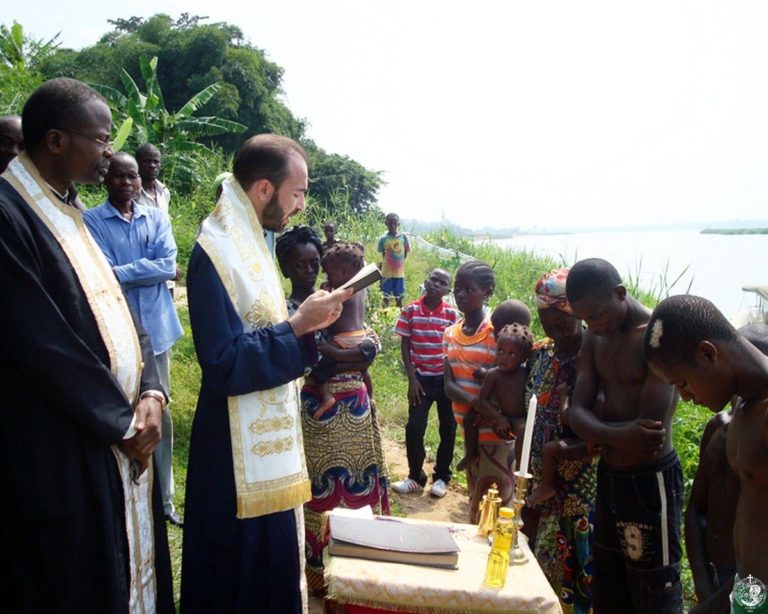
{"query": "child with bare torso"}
{"type": "Point", "coordinates": [711, 514]}
{"type": "Point", "coordinates": [502, 395]}
{"type": "Point", "coordinates": [511, 311]}
{"type": "Point", "coordinates": [352, 342]}
{"type": "Point", "coordinates": [567, 446]}
{"type": "Point", "coordinates": [691, 345]}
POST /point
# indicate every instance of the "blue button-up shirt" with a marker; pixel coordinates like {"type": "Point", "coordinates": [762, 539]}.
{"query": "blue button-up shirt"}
{"type": "Point", "coordinates": [142, 254]}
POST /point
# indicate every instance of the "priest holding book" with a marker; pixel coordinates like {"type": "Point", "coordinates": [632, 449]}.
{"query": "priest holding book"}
{"type": "Point", "coordinates": [247, 478]}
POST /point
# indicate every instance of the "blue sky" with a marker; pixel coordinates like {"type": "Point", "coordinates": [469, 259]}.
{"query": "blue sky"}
{"type": "Point", "coordinates": [514, 113]}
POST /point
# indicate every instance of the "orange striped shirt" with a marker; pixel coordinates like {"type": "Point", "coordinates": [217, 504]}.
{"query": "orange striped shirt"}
{"type": "Point", "coordinates": [464, 355]}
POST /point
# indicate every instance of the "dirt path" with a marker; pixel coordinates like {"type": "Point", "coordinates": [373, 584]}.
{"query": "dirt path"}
{"type": "Point", "coordinates": [454, 507]}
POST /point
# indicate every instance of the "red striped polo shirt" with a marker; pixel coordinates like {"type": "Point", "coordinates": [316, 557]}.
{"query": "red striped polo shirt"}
{"type": "Point", "coordinates": [425, 328]}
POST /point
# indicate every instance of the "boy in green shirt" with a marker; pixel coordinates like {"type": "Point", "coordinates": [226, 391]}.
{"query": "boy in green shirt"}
{"type": "Point", "coordinates": [394, 248]}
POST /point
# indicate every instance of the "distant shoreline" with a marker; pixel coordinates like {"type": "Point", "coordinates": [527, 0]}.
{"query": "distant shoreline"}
{"type": "Point", "coordinates": [506, 233]}
{"type": "Point", "coordinates": [489, 237]}
{"type": "Point", "coordinates": [735, 231]}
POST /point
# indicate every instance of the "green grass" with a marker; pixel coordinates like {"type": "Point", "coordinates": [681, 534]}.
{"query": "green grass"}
{"type": "Point", "coordinates": [516, 274]}
{"type": "Point", "coordinates": [185, 385]}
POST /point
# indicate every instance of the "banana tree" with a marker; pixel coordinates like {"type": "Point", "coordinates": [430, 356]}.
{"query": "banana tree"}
{"type": "Point", "coordinates": [175, 134]}
{"type": "Point", "coordinates": [21, 53]}
{"type": "Point", "coordinates": [20, 58]}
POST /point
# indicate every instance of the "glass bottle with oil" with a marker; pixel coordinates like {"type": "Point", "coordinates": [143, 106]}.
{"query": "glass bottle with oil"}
{"type": "Point", "coordinates": [498, 558]}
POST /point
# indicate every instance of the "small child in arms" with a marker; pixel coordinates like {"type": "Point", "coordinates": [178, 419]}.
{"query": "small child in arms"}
{"type": "Point", "coordinates": [502, 395]}
{"type": "Point", "coordinates": [352, 343]}
{"type": "Point", "coordinates": [567, 446]}
{"type": "Point", "coordinates": [511, 311]}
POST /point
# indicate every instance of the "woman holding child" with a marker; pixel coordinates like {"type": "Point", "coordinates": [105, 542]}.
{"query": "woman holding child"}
{"type": "Point", "coordinates": [342, 442]}
{"type": "Point", "coordinates": [470, 349]}
{"type": "Point", "coordinates": [563, 544]}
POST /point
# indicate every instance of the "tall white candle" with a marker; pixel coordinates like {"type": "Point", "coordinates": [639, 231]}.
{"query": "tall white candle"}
{"type": "Point", "coordinates": [528, 435]}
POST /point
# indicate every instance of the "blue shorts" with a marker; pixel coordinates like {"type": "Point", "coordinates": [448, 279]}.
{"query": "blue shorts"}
{"type": "Point", "coordinates": [393, 286]}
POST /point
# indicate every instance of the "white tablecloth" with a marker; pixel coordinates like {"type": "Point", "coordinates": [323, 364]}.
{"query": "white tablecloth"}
{"type": "Point", "coordinates": [429, 589]}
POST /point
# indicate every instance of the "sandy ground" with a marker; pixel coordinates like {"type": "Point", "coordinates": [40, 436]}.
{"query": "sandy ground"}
{"type": "Point", "coordinates": [454, 507]}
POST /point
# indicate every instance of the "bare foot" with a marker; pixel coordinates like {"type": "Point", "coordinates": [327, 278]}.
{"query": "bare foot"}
{"type": "Point", "coordinates": [465, 462]}
{"type": "Point", "coordinates": [541, 494]}
{"type": "Point", "coordinates": [326, 404]}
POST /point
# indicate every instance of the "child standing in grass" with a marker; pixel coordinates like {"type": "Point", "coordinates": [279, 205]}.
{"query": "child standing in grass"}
{"type": "Point", "coordinates": [420, 327]}
{"type": "Point", "coordinates": [394, 248]}
{"type": "Point", "coordinates": [329, 230]}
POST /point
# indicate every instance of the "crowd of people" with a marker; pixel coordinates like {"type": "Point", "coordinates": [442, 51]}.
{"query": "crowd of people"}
{"type": "Point", "coordinates": [286, 426]}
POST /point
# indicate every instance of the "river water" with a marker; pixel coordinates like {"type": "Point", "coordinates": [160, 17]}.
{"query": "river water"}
{"type": "Point", "coordinates": [714, 266]}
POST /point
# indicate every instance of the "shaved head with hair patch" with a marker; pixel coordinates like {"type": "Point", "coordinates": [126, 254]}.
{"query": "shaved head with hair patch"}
{"type": "Point", "coordinates": [679, 324]}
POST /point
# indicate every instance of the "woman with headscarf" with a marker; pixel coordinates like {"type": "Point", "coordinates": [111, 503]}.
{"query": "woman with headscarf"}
{"type": "Point", "coordinates": [563, 540]}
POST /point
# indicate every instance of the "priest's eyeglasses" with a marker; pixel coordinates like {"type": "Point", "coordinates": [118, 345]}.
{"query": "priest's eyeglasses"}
{"type": "Point", "coordinates": [102, 143]}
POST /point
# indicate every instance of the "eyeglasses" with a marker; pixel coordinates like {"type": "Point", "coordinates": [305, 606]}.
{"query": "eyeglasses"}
{"type": "Point", "coordinates": [104, 144]}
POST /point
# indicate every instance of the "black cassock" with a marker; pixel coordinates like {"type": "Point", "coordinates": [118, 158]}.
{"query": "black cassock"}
{"type": "Point", "coordinates": [249, 565]}
{"type": "Point", "coordinates": [62, 524]}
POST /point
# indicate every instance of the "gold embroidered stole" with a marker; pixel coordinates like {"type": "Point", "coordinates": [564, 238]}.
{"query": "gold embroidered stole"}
{"type": "Point", "coordinates": [265, 429]}
{"type": "Point", "coordinates": [115, 325]}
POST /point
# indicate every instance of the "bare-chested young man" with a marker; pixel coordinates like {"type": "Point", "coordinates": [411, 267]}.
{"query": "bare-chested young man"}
{"type": "Point", "coordinates": [640, 488]}
{"type": "Point", "coordinates": [692, 346]}
{"type": "Point", "coordinates": [711, 511]}
{"type": "Point", "coordinates": [709, 519]}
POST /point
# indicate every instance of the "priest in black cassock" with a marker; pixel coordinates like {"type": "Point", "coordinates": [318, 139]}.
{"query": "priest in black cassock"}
{"type": "Point", "coordinates": [247, 479]}
{"type": "Point", "coordinates": [81, 403]}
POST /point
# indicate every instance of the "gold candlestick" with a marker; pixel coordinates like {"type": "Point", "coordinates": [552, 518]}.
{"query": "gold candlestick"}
{"type": "Point", "coordinates": [517, 556]}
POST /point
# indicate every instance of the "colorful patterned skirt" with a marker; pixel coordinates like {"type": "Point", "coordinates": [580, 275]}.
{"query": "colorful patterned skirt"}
{"type": "Point", "coordinates": [564, 552]}
{"type": "Point", "coordinates": [344, 456]}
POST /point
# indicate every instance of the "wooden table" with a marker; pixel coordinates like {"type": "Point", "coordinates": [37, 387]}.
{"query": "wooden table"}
{"type": "Point", "coordinates": [357, 583]}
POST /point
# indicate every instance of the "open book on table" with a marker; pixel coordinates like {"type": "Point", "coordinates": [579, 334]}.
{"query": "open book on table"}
{"type": "Point", "coordinates": [388, 539]}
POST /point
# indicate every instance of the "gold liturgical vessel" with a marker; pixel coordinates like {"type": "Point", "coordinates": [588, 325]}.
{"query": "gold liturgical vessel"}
{"type": "Point", "coordinates": [517, 556]}
{"type": "Point", "coordinates": [489, 511]}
